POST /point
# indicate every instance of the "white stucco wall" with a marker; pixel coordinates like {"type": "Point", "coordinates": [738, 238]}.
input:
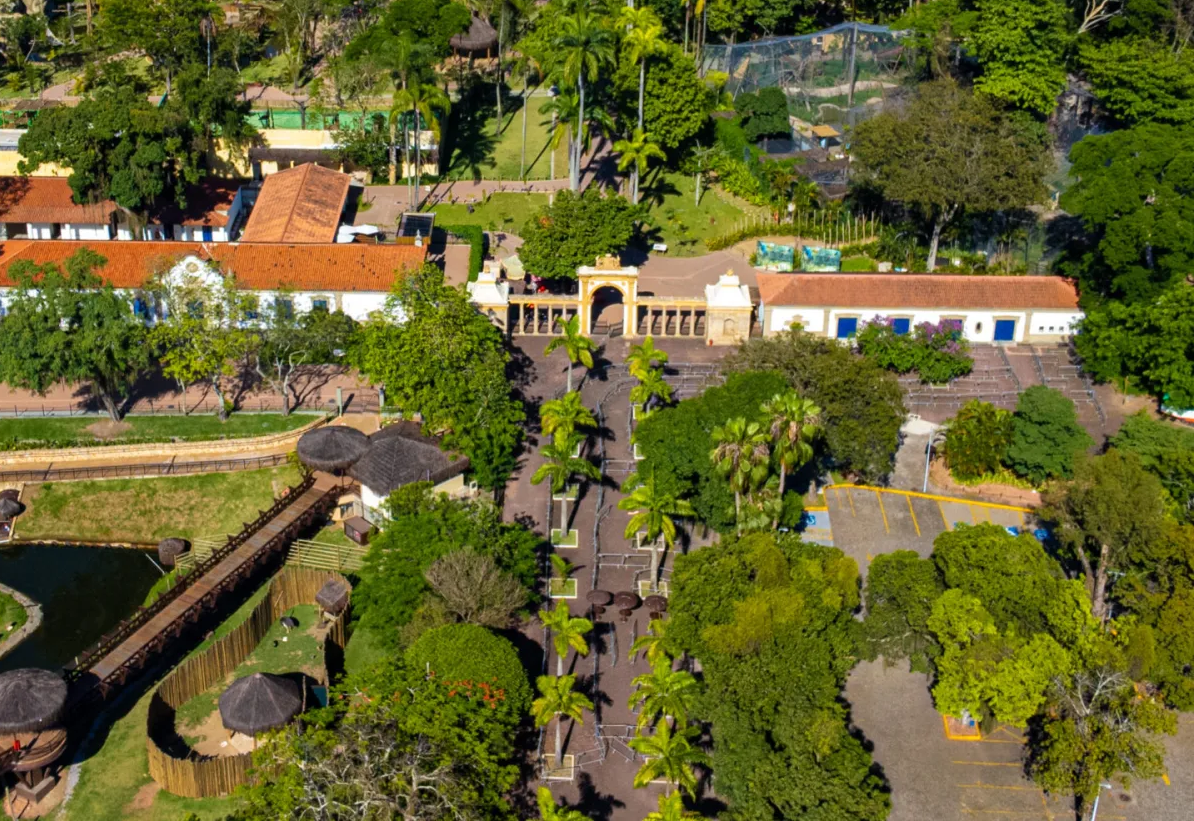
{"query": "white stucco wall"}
{"type": "Point", "coordinates": [1047, 323]}
{"type": "Point", "coordinates": [359, 305]}
{"type": "Point", "coordinates": [978, 326]}
{"type": "Point", "coordinates": [810, 319]}
{"type": "Point", "coordinates": [194, 233]}
{"type": "Point", "coordinates": [85, 232]}
{"type": "Point", "coordinates": [39, 230]}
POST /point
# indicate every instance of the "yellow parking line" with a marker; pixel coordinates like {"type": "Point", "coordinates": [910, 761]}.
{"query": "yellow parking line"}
{"type": "Point", "coordinates": [850, 499]}
{"type": "Point", "coordinates": [1165, 778]}
{"type": "Point", "coordinates": [944, 520]}
{"type": "Point", "coordinates": [981, 786]}
{"type": "Point", "coordinates": [968, 811]}
{"type": "Point", "coordinates": [935, 497]}
{"type": "Point", "coordinates": [973, 518]}
{"type": "Point", "coordinates": [913, 513]}
{"type": "Point", "coordinates": [1021, 518]}
{"type": "Point", "coordinates": [990, 763]}
{"type": "Point", "coordinates": [882, 510]}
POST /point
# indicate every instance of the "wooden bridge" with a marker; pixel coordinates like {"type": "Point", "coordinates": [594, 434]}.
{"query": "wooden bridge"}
{"type": "Point", "coordinates": [137, 641]}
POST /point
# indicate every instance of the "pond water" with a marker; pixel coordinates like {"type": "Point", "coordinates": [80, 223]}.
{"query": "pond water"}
{"type": "Point", "coordinates": [84, 592]}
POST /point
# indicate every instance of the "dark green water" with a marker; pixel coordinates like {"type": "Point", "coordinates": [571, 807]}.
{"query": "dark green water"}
{"type": "Point", "coordinates": [84, 592]}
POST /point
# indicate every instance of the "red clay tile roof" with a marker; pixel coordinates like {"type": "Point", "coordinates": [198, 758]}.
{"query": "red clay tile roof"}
{"type": "Point", "coordinates": [48, 199]}
{"type": "Point", "coordinates": [207, 205]}
{"type": "Point", "coordinates": [316, 267]}
{"type": "Point", "coordinates": [300, 204]}
{"type": "Point", "coordinates": [917, 291]}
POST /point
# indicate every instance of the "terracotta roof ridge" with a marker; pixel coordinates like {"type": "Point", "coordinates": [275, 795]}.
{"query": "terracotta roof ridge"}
{"type": "Point", "coordinates": [306, 167]}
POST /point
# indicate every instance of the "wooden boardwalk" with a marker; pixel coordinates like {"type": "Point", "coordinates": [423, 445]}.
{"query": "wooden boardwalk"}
{"type": "Point", "coordinates": [129, 649]}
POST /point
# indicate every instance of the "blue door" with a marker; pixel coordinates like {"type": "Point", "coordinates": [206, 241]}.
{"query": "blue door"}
{"type": "Point", "coordinates": [1005, 330]}
{"type": "Point", "coordinates": [207, 234]}
{"type": "Point", "coordinates": [901, 325]}
{"type": "Point", "coordinates": [847, 327]}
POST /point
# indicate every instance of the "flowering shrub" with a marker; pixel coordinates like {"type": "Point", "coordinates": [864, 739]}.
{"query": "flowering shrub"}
{"type": "Point", "coordinates": [937, 352]}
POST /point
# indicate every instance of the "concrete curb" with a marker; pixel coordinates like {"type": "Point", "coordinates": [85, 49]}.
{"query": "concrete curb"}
{"type": "Point", "coordinates": [33, 620]}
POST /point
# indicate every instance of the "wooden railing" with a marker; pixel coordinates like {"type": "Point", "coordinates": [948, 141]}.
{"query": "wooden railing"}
{"type": "Point", "coordinates": [126, 628]}
{"type": "Point", "coordinates": [147, 470]}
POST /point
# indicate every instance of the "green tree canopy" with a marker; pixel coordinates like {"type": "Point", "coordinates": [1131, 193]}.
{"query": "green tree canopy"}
{"type": "Point", "coordinates": [575, 230]}
{"type": "Point", "coordinates": [764, 114]}
{"type": "Point", "coordinates": [66, 326]}
{"type": "Point", "coordinates": [676, 101]}
{"type": "Point", "coordinates": [168, 31]}
{"type": "Point", "coordinates": [1166, 451]}
{"type": "Point", "coordinates": [949, 152]}
{"type": "Point", "coordinates": [977, 440]}
{"type": "Point", "coordinates": [900, 590]}
{"type": "Point", "coordinates": [1021, 46]}
{"type": "Point", "coordinates": [1046, 437]}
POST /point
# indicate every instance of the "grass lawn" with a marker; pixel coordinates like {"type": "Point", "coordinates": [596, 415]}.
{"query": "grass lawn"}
{"type": "Point", "coordinates": [298, 653]}
{"type": "Point", "coordinates": [683, 225]}
{"type": "Point", "coordinates": [496, 150]}
{"type": "Point", "coordinates": [91, 430]}
{"type": "Point", "coordinates": [334, 534]}
{"type": "Point", "coordinates": [364, 650]}
{"type": "Point", "coordinates": [11, 612]}
{"type": "Point", "coordinates": [149, 510]}
{"type": "Point", "coordinates": [502, 212]}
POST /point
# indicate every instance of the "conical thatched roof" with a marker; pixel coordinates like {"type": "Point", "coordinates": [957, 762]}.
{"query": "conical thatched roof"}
{"type": "Point", "coordinates": [259, 702]}
{"type": "Point", "coordinates": [480, 36]}
{"type": "Point", "coordinates": [331, 448]}
{"type": "Point", "coordinates": [170, 549]}
{"type": "Point", "coordinates": [30, 699]}
{"type": "Point", "coordinates": [10, 508]}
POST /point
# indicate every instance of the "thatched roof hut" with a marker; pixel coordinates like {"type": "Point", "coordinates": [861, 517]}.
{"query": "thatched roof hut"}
{"type": "Point", "coordinates": [259, 702]}
{"type": "Point", "coordinates": [10, 508]}
{"type": "Point", "coordinates": [30, 700]}
{"type": "Point", "coordinates": [333, 596]}
{"type": "Point", "coordinates": [480, 37]}
{"type": "Point", "coordinates": [398, 455]}
{"type": "Point", "coordinates": [170, 549]}
{"type": "Point", "coordinates": [332, 448]}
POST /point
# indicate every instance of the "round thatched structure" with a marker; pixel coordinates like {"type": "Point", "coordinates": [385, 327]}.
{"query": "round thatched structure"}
{"type": "Point", "coordinates": [10, 508]}
{"type": "Point", "coordinates": [170, 549]}
{"type": "Point", "coordinates": [332, 448]}
{"type": "Point", "coordinates": [259, 702]}
{"type": "Point", "coordinates": [30, 700]}
{"type": "Point", "coordinates": [480, 37]}
{"type": "Point", "coordinates": [37, 750]}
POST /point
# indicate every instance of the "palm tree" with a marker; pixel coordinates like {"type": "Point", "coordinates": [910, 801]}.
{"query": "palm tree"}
{"type": "Point", "coordinates": [652, 643]}
{"type": "Point", "coordinates": [585, 45]}
{"type": "Point", "coordinates": [563, 416]}
{"type": "Point", "coordinates": [567, 632]}
{"type": "Point", "coordinates": [637, 153]}
{"type": "Point", "coordinates": [549, 810]}
{"type": "Point", "coordinates": [671, 808]}
{"type": "Point", "coordinates": [651, 386]}
{"type": "Point", "coordinates": [741, 456]}
{"type": "Point", "coordinates": [559, 701]}
{"type": "Point", "coordinates": [526, 67]}
{"type": "Point", "coordinates": [422, 100]}
{"type": "Point", "coordinates": [402, 57]}
{"type": "Point", "coordinates": [652, 515]}
{"type": "Point", "coordinates": [702, 157]}
{"type": "Point", "coordinates": [663, 692]}
{"type": "Point", "coordinates": [644, 39]}
{"type": "Point", "coordinates": [562, 108]}
{"type": "Point", "coordinates": [577, 346]}
{"type": "Point", "coordinates": [507, 10]}
{"type": "Point", "coordinates": [559, 469]}
{"type": "Point", "coordinates": [644, 357]}
{"type": "Point", "coordinates": [795, 424]}
{"type": "Point", "coordinates": [700, 8]}
{"type": "Point", "coordinates": [670, 756]}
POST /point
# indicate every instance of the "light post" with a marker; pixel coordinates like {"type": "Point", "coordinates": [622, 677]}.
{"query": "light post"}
{"type": "Point", "coordinates": [935, 438]}
{"type": "Point", "coordinates": [1094, 812]}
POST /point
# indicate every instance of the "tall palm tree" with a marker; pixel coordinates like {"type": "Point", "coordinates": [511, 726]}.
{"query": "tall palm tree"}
{"type": "Point", "coordinates": [700, 9]}
{"type": "Point", "coordinates": [741, 455]}
{"type": "Point", "coordinates": [644, 39]}
{"type": "Point", "coordinates": [549, 810]}
{"type": "Point", "coordinates": [561, 417]}
{"type": "Point", "coordinates": [652, 643]}
{"type": "Point", "coordinates": [795, 424]}
{"type": "Point", "coordinates": [557, 700]}
{"type": "Point", "coordinates": [562, 108]}
{"type": "Point", "coordinates": [663, 692]}
{"type": "Point", "coordinates": [652, 512]}
{"type": "Point", "coordinates": [651, 386]}
{"type": "Point", "coordinates": [422, 100]}
{"type": "Point", "coordinates": [671, 808]}
{"type": "Point", "coordinates": [402, 57]}
{"type": "Point", "coordinates": [585, 45]}
{"type": "Point", "coordinates": [559, 469]}
{"type": "Point", "coordinates": [644, 356]}
{"type": "Point", "coordinates": [577, 346]}
{"type": "Point", "coordinates": [637, 153]}
{"type": "Point", "coordinates": [508, 12]}
{"type": "Point", "coordinates": [567, 633]}
{"type": "Point", "coordinates": [670, 756]}
{"type": "Point", "coordinates": [526, 67]}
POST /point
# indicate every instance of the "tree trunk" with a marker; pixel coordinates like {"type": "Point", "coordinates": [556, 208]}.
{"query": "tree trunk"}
{"type": "Point", "coordinates": [570, 366]}
{"type": "Point", "coordinates": [554, 125]}
{"type": "Point", "coordinates": [182, 391]}
{"type": "Point", "coordinates": [88, 2]}
{"type": "Point", "coordinates": [783, 474]}
{"type": "Point", "coordinates": [634, 184]}
{"type": "Point", "coordinates": [580, 131]}
{"type": "Point", "coordinates": [393, 151]}
{"type": "Point", "coordinates": [110, 404]}
{"type": "Point", "coordinates": [564, 513]}
{"type": "Point", "coordinates": [522, 160]}
{"type": "Point", "coordinates": [642, 85]}
{"type": "Point", "coordinates": [559, 741]}
{"type": "Point", "coordinates": [1099, 600]}
{"type": "Point", "coordinates": [498, 79]}
{"type": "Point", "coordinates": [938, 224]}
{"type": "Point", "coordinates": [687, 16]}
{"type": "Point", "coordinates": [418, 159]}
{"type": "Point", "coordinates": [560, 664]}
{"type": "Point", "coordinates": [655, 566]}
{"type": "Point", "coordinates": [697, 201]}
{"type": "Point", "coordinates": [222, 410]}
{"type": "Point", "coordinates": [738, 511]}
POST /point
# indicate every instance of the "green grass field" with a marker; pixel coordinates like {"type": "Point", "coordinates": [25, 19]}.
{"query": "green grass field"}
{"type": "Point", "coordinates": [682, 224]}
{"type": "Point", "coordinates": [91, 430]}
{"type": "Point", "coordinates": [496, 151]}
{"type": "Point", "coordinates": [148, 510]}
{"type": "Point", "coordinates": [502, 212]}
{"type": "Point", "coordinates": [11, 612]}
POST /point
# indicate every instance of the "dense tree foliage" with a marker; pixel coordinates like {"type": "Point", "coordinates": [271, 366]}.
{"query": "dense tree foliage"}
{"type": "Point", "coordinates": [977, 440]}
{"type": "Point", "coordinates": [1046, 436]}
{"type": "Point", "coordinates": [770, 620]}
{"type": "Point", "coordinates": [901, 588]}
{"type": "Point", "coordinates": [862, 406]}
{"type": "Point", "coordinates": [66, 326]}
{"type": "Point", "coordinates": [1165, 450]}
{"type": "Point", "coordinates": [575, 230]}
{"type": "Point", "coordinates": [436, 355]}
{"type": "Point", "coordinates": [949, 152]}
{"type": "Point", "coordinates": [764, 114]}
{"type": "Point", "coordinates": [938, 352]}
{"type": "Point", "coordinates": [423, 528]}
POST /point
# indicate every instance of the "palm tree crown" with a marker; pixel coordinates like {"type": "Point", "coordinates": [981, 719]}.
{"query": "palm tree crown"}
{"type": "Point", "coordinates": [549, 810]}
{"type": "Point", "coordinates": [794, 427]}
{"type": "Point", "coordinates": [644, 357]}
{"type": "Point", "coordinates": [577, 346]}
{"type": "Point", "coordinates": [567, 632]}
{"type": "Point", "coordinates": [741, 455]}
{"type": "Point", "coordinates": [637, 152]}
{"type": "Point", "coordinates": [664, 692]}
{"type": "Point", "coordinates": [651, 386]}
{"type": "Point", "coordinates": [560, 465]}
{"type": "Point", "coordinates": [653, 510]}
{"type": "Point", "coordinates": [564, 415]}
{"type": "Point", "coordinates": [671, 808]}
{"type": "Point", "coordinates": [670, 756]}
{"type": "Point", "coordinates": [653, 643]}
